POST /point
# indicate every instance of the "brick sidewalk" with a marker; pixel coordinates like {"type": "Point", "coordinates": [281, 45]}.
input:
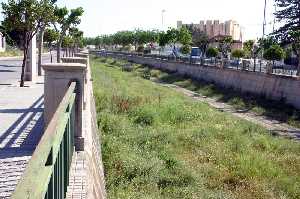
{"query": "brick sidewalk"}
{"type": "Point", "coordinates": [77, 186]}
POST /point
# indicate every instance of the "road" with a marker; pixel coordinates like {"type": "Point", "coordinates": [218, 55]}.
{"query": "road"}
{"type": "Point", "coordinates": [10, 69]}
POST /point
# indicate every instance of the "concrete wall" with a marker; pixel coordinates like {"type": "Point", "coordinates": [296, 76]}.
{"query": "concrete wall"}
{"type": "Point", "coordinates": [274, 87]}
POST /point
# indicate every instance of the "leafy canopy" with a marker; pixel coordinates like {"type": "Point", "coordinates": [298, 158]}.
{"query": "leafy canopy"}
{"type": "Point", "coordinates": [275, 52]}
{"type": "Point", "coordinates": [212, 52]}
{"type": "Point", "coordinates": [238, 53]}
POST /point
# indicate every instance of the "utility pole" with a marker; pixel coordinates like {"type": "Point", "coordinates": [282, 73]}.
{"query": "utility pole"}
{"type": "Point", "coordinates": [274, 22]}
{"type": "Point", "coordinates": [265, 21]}
{"type": "Point", "coordinates": [162, 18]}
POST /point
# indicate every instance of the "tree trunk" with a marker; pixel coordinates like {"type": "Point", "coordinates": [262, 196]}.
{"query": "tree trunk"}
{"type": "Point", "coordinates": [24, 61]}
{"type": "Point", "coordinates": [40, 46]}
{"type": "Point", "coordinates": [59, 49]}
{"type": "Point", "coordinates": [50, 54]}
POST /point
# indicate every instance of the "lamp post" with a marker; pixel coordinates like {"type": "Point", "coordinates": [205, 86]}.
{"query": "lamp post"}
{"type": "Point", "coordinates": [162, 18]}
{"type": "Point", "coordinates": [264, 23]}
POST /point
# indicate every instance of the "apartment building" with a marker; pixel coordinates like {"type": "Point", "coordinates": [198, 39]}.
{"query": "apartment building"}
{"type": "Point", "coordinates": [215, 28]}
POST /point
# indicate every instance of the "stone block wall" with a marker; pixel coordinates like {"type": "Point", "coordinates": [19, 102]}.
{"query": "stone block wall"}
{"type": "Point", "coordinates": [275, 87]}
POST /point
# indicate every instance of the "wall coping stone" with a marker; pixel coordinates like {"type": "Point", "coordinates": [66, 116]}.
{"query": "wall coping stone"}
{"type": "Point", "coordinates": [64, 66]}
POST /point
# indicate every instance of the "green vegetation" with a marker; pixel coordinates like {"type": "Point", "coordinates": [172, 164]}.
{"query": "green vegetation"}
{"type": "Point", "coordinates": [275, 52]}
{"type": "Point", "coordinates": [11, 53]}
{"type": "Point", "coordinates": [240, 101]}
{"type": "Point", "coordinates": [157, 143]}
{"type": "Point", "coordinates": [288, 15]}
{"type": "Point", "coordinates": [25, 17]}
{"type": "Point", "coordinates": [237, 53]}
{"type": "Point", "coordinates": [212, 52]}
{"type": "Point", "coordinates": [66, 22]}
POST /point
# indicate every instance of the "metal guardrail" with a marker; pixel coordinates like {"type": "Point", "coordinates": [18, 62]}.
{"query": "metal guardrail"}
{"type": "Point", "coordinates": [47, 173]}
{"type": "Point", "coordinates": [258, 66]}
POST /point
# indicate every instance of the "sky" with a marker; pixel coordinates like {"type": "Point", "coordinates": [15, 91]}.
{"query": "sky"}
{"type": "Point", "coordinates": [106, 17]}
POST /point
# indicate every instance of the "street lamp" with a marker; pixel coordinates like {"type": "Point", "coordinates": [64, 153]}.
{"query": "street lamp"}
{"type": "Point", "coordinates": [265, 22]}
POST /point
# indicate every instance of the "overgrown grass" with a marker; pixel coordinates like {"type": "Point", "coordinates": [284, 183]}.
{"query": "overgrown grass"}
{"type": "Point", "coordinates": [157, 143]}
{"type": "Point", "coordinates": [260, 105]}
{"type": "Point", "coordinates": [11, 53]}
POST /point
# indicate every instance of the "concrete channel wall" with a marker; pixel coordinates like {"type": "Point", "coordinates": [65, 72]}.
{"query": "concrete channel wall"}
{"type": "Point", "coordinates": [276, 87]}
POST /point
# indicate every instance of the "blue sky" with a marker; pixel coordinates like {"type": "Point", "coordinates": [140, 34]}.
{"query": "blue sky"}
{"type": "Point", "coordinates": [105, 17]}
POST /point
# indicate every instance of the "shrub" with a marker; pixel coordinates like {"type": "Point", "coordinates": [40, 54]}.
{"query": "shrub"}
{"type": "Point", "coordinates": [212, 52]}
{"type": "Point", "coordinates": [275, 52]}
{"type": "Point", "coordinates": [127, 68]}
{"type": "Point", "coordinates": [238, 53]}
{"type": "Point", "coordinates": [146, 74]}
{"type": "Point", "coordinates": [123, 104]}
{"type": "Point", "coordinates": [140, 49]}
{"type": "Point", "coordinates": [185, 49]}
{"type": "Point", "coordinates": [144, 116]}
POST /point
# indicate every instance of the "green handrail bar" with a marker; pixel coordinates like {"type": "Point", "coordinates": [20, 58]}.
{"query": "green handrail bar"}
{"type": "Point", "coordinates": [47, 173]}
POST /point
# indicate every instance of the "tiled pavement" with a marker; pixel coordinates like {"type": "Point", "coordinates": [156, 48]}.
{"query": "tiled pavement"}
{"type": "Point", "coordinates": [77, 188]}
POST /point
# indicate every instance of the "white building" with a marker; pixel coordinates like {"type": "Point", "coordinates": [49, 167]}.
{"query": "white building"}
{"type": "Point", "coordinates": [215, 28]}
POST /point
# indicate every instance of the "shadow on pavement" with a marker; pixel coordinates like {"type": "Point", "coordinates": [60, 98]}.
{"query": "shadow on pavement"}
{"type": "Point", "coordinates": [9, 66]}
{"type": "Point", "coordinates": [7, 71]}
{"type": "Point", "coordinates": [21, 138]}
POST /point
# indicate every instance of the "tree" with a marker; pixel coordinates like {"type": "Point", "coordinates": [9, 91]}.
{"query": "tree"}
{"type": "Point", "coordinates": [49, 7]}
{"type": "Point", "coordinates": [266, 43]}
{"type": "Point", "coordinates": [172, 36]}
{"type": "Point", "coordinates": [225, 45]}
{"type": "Point", "coordinates": [200, 39]}
{"type": "Point", "coordinates": [163, 39]}
{"type": "Point", "coordinates": [26, 17]}
{"type": "Point", "coordinates": [77, 37]}
{"type": "Point", "coordinates": [67, 43]}
{"type": "Point", "coordinates": [50, 36]}
{"type": "Point", "coordinates": [212, 52]}
{"type": "Point", "coordinates": [65, 20]}
{"type": "Point", "coordinates": [288, 14]}
{"type": "Point", "coordinates": [185, 49]}
{"type": "Point", "coordinates": [184, 36]}
{"type": "Point", "coordinates": [238, 53]}
{"type": "Point", "coordinates": [275, 52]}
{"type": "Point", "coordinates": [249, 48]}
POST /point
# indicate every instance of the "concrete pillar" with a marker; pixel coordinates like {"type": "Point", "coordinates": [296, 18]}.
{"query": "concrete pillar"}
{"type": "Point", "coordinates": [31, 66]}
{"type": "Point", "coordinates": [80, 60]}
{"type": "Point", "coordinates": [57, 79]}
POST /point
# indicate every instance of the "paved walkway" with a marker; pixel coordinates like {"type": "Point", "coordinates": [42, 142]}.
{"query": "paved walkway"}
{"type": "Point", "coordinates": [21, 122]}
{"type": "Point", "coordinates": [274, 126]}
{"type": "Point", "coordinates": [21, 127]}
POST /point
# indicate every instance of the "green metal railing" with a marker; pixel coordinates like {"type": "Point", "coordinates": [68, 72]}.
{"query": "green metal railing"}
{"type": "Point", "coordinates": [47, 173]}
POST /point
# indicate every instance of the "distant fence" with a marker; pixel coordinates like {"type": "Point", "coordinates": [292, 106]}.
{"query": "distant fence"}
{"type": "Point", "coordinates": [256, 65]}
{"type": "Point", "coordinates": [272, 86]}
